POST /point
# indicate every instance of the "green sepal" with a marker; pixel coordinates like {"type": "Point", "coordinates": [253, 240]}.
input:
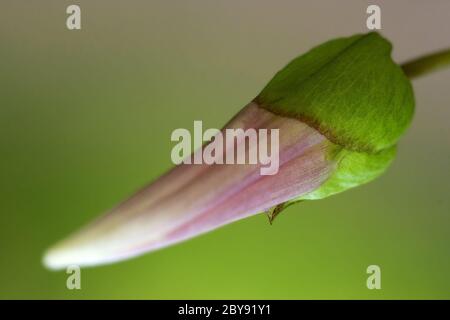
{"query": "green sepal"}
{"type": "Point", "coordinates": [349, 89]}
{"type": "Point", "coordinates": [273, 212]}
{"type": "Point", "coordinates": [353, 169]}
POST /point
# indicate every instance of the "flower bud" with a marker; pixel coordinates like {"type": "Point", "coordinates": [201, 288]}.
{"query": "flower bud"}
{"type": "Point", "coordinates": [340, 110]}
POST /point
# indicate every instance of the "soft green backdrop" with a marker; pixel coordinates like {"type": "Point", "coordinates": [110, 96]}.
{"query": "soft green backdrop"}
{"type": "Point", "coordinates": [86, 117]}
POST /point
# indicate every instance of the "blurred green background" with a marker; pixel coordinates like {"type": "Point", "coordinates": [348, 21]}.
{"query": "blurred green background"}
{"type": "Point", "coordinates": [86, 118]}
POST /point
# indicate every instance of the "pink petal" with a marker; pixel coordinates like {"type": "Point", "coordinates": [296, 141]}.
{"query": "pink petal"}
{"type": "Point", "coordinates": [194, 199]}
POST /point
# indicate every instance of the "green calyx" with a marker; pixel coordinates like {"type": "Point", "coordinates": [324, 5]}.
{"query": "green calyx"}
{"type": "Point", "coordinates": [353, 169]}
{"type": "Point", "coordinates": [351, 91]}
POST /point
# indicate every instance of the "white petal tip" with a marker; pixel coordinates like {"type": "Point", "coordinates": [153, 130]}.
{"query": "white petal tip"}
{"type": "Point", "coordinates": [61, 258]}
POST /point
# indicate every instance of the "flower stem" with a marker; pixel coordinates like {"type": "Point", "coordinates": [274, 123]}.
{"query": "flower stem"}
{"type": "Point", "coordinates": [426, 64]}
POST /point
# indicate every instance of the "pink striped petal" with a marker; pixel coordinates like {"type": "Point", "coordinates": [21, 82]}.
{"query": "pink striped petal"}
{"type": "Point", "coordinates": [194, 199]}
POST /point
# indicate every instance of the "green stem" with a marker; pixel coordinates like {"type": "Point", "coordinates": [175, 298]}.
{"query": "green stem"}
{"type": "Point", "coordinates": [427, 64]}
